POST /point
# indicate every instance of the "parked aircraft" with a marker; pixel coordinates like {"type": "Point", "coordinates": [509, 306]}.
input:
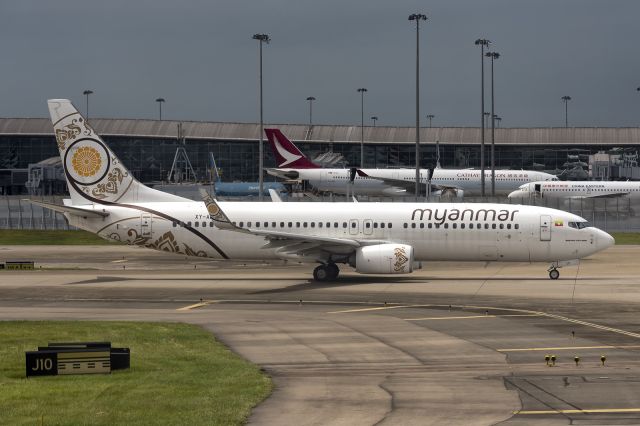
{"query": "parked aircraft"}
{"type": "Point", "coordinates": [578, 190]}
{"type": "Point", "coordinates": [374, 238]}
{"type": "Point", "coordinates": [294, 165]}
{"type": "Point", "coordinates": [241, 189]}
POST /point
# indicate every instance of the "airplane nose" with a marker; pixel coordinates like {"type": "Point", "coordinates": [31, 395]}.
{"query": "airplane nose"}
{"type": "Point", "coordinates": [604, 240]}
{"type": "Point", "coordinates": [515, 194]}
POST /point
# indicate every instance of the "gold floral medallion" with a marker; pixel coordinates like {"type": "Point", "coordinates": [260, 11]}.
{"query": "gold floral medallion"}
{"type": "Point", "coordinates": [86, 161]}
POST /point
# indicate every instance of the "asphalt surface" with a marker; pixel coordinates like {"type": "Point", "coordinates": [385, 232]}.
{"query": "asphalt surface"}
{"type": "Point", "coordinates": [454, 343]}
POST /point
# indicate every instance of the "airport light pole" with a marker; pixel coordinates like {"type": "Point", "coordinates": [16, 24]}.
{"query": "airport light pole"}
{"type": "Point", "coordinates": [482, 43]}
{"type": "Point", "coordinates": [362, 91]}
{"type": "Point", "coordinates": [374, 118]}
{"type": "Point", "coordinates": [160, 101]}
{"type": "Point", "coordinates": [86, 93]}
{"type": "Point", "coordinates": [498, 119]}
{"type": "Point", "coordinates": [311, 99]}
{"type": "Point", "coordinates": [493, 56]}
{"type": "Point", "coordinates": [430, 117]}
{"type": "Point", "coordinates": [417, 17]}
{"type": "Point", "coordinates": [566, 100]}
{"type": "Point", "coordinates": [262, 38]}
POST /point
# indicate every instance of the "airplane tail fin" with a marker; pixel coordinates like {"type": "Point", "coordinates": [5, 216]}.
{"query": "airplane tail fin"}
{"type": "Point", "coordinates": [94, 174]}
{"type": "Point", "coordinates": [287, 154]}
{"type": "Point", "coordinates": [214, 169]}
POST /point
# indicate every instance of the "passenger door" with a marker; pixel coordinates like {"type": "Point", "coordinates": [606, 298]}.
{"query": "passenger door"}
{"type": "Point", "coordinates": [545, 228]}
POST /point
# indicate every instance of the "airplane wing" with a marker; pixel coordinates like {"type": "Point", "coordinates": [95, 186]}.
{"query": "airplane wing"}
{"type": "Point", "coordinates": [408, 185]}
{"type": "Point", "coordinates": [85, 213]}
{"type": "Point", "coordinates": [287, 243]}
{"type": "Point", "coordinates": [592, 197]}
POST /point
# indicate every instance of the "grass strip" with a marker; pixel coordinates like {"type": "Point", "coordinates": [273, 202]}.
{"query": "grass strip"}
{"type": "Point", "coordinates": [38, 237]}
{"type": "Point", "coordinates": [179, 375]}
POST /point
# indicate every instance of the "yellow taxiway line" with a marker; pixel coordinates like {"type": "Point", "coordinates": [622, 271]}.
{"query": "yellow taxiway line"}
{"type": "Point", "coordinates": [470, 317]}
{"type": "Point", "coordinates": [594, 411]}
{"type": "Point", "coordinates": [196, 305]}
{"type": "Point", "coordinates": [568, 348]}
{"type": "Point", "coordinates": [378, 308]}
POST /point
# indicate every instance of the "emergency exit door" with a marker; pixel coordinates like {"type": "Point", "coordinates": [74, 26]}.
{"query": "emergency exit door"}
{"type": "Point", "coordinates": [545, 228]}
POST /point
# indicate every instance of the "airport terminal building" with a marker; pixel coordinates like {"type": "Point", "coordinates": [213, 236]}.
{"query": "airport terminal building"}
{"type": "Point", "coordinates": [149, 147]}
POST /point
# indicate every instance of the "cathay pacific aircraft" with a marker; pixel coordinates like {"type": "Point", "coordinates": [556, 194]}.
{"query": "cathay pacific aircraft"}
{"type": "Point", "coordinates": [294, 165]}
{"type": "Point", "coordinates": [373, 238]}
{"type": "Point", "coordinates": [578, 190]}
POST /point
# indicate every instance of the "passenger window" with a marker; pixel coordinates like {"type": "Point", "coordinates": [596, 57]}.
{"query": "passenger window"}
{"type": "Point", "coordinates": [189, 224]}
{"type": "Point", "coordinates": [493, 226]}
{"type": "Point", "coordinates": [462, 226]}
{"type": "Point", "coordinates": [421, 225]}
{"type": "Point", "coordinates": [335, 224]}
{"type": "Point", "coordinates": [281, 224]}
{"type": "Point", "coordinates": [446, 226]}
{"type": "Point", "coordinates": [486, 226]}
{"type": "Point", "coordinates": [430, 225]}
{"type": "Point", "coordinates": [175, 224]}
{"type": "Point", "coordinates": [257, 224]}
{"type": "Point", "coordinates": [375, 225]}
{"type": "Point", "coordinates": [211, 224]}
{"type": "Point", "coordinates": [344, 224]}
{"type": "Point", "coordinates": [204, 224]}
{"type": "Point", "coordinates": [405, 225]}
{"type": "Point", "coordinates": [304, 224]}
{"type": "Point", "coordinates": [413, 225]}
{"type": "Point", "coordinates": [367, 225]}
{"type": "Point", "coordinates": [382, 225]}
{"type": "Point", "coordinates": [273, 224]}
{"type": "Point", "coordinates": [502, 226]}
{"type": "Point", "coordinates": [329, 225]}
{"type": "Point", "coordinates": [297, 224]}
{"type": "Point", "coordinates": [454, 225]}
{"type": "Point", "coordinates": [517, 226]}
{"type": "Point", "coordinates": [248, 224]}
{"type": "Point", "coordinates": [471, 226]}
{"type": "Point", "coordinates": [508, 226]}
{"type": "Point", "coordinates": [390, 225]}
{"type": "Point", "coordinates": [290, 224]}
{"type": "Point", "coordinates": [319, 224]}
{"type": "Point", "coordinates": [353, 224]}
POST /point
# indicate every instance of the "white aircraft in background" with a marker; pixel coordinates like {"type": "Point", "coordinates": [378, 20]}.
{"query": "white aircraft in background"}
{"type": "Point", "coordinates": [578, 190]}
{"type": "Point", "coordinates": [374, 238]}
{"type": "Point", "coordinates": [294, 165]}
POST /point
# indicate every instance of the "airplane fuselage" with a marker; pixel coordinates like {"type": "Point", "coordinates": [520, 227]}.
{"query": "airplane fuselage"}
{"type": "Point", "coordinates": [436, 231]}
{"type": "Point", "coordinates": [467, 181]}
{"type": "Point", "coordinates": [578, 189]}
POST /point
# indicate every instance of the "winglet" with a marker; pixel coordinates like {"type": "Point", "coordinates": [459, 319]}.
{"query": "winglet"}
{"type": "Point", "coordinates": [274, 196]}
{"type": "Point", "coordinates": [215, 212]}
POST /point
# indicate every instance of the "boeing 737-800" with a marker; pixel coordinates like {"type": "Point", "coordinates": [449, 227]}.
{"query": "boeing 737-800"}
{"type": "Point", "coordinates": [293, 164]}
{"type": "Point", "coordinates": [578, 190]}
{"type": "Point", "coordinates": [374, 238]}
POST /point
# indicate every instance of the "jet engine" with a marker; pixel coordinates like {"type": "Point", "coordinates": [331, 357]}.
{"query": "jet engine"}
{"type": "Point", "coordinates": [383, 259]}
{"type": "Point", "coordinates": [449, 193]}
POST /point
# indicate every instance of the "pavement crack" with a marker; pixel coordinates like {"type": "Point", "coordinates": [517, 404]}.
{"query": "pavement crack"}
{"type": "Point", "coordinates": [392, 399]}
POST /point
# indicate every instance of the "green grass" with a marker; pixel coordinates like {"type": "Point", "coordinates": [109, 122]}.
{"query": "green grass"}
{"type": "Point", "coordinates": [36, 237]}
{"type": "Point", "coordinates": [179, 375]}
{"type": "Point", "coordinates": [626, 238]}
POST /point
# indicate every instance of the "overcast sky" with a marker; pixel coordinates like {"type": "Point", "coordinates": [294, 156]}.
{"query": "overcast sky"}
{"type": "Point", "coordinates": [200, 57]}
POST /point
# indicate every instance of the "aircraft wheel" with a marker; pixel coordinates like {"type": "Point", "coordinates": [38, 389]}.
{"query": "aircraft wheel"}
{"type": "Point", "coordinates": [321, 273]}
{"type": "Point", "coordinates": [554, 274]}
{"type": "Point", "coordinates": [333, 271]}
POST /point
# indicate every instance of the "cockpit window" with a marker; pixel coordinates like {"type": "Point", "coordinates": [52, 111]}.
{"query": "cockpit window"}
{"type": "Point", "coordinates": [580, 225]}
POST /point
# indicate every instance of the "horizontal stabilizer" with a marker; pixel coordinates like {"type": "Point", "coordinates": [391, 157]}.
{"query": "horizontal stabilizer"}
{"type": "Point", "coordinates": [76, 211]}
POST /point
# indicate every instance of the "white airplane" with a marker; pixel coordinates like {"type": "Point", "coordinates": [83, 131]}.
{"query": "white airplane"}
{"type": "Point", "coordinates": [294, 165]}
{"type": "Point", "coordinates": [578, 190]}
{"type": "Point", "coordinates": [374, 238]}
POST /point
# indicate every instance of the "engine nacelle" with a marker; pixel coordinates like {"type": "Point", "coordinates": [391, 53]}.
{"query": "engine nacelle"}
{"type": "Point", "coordinates": [383, 259]}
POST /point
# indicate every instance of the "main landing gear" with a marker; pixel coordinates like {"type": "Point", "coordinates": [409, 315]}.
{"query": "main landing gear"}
{"type": "Point", "coordinates": [554, 273]}
{"type": "Point", "coordinates": [328, 272]}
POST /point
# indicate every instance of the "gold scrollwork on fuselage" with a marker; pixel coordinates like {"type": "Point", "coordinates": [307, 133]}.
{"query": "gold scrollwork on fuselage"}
{"type": "Point", "coordinates": [166, 242]}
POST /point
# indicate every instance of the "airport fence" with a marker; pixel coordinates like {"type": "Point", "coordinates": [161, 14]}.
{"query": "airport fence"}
{"type": "Point", "coordinates": [611, 214]}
